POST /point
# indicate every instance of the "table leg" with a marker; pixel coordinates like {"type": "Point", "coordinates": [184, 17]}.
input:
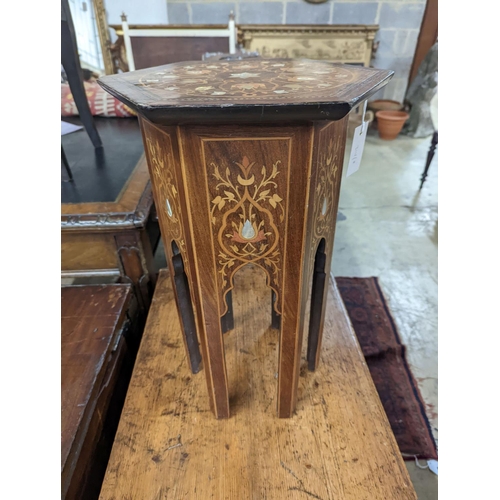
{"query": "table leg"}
{"type": "Point", "coordinates": [186, 314]}
{"type": "Point", "coordinates": [171, 199]}
{"type": "Point", "coordinates": [212, 343]}
{"type": "Point", "coordinates": [66, 164]}
{"type": "Point", "coordinates": [325, 193]}
{"type": "Point", "coordinates": [291, 331]}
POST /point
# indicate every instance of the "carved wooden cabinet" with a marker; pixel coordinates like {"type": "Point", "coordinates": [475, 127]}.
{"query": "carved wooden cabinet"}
{"type": "Point", "coordinates": [113, 240]}
{"type": "Point", "coordinates": [246, 160]}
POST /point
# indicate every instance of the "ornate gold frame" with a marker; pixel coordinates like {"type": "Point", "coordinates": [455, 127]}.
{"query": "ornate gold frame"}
{"type": "Point", "coordinates": [349, 43]}
{"type": "Point", "coordinates": [103, 30]}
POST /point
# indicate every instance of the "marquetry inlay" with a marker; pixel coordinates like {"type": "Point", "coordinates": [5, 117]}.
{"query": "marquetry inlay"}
{"type": "Point", "coordinates": [247, 208]}
{"type": "Point", "coordinates": [161, 160]}
{"type": "Point", "coordinates": [260, 79]}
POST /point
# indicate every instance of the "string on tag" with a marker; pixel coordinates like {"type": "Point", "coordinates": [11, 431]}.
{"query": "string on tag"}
{"type": "Point", "coordinates": [363, 123]}
{"type": "Point", "coordinates": [431, 463]}
{"type": "Point", "coordinates": [417, 463]}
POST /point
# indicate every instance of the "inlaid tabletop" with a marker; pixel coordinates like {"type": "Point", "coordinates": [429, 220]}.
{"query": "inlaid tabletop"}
{"type": "Point", "coordinates": [272, 87]}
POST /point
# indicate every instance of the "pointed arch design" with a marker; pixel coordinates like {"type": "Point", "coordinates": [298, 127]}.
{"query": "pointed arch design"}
{"type": "Point", "coordinates": [248, 212]}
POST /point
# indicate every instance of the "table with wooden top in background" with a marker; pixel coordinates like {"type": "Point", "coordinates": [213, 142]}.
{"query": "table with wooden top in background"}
{"type": "Point", "coordinates": [109, 229]}
{"type": "Point", "coordinates": [339, 445]}
{"type": "Point", "coordinates": [98, 345]}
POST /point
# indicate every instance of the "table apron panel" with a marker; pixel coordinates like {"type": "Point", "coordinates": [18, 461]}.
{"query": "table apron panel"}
{"type": "Point", "coordinates": [88, 251]}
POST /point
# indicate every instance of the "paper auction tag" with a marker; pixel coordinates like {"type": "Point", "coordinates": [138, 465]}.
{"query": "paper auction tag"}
{"type": "Point", "coordinates": [433, 466]}
{"type": "Point", "coordinates": [358, 144]}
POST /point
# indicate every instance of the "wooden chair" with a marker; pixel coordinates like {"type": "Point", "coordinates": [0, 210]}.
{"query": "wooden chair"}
{"type": "Point", "coordinates": [128, 33]}
{"type": "Point", "coordinates": [71, 64]}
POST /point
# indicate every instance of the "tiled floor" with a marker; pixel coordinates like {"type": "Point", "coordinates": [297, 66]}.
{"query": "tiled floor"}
{"type": "Point", "coordinates": [387, 228]}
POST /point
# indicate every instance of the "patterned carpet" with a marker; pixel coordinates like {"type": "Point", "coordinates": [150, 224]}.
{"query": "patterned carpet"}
{"type": "Point", "coordinates": [386, 359]}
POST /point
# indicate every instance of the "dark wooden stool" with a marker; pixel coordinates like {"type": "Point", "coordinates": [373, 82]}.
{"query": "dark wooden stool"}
{"type": "Point", "coordinates": [98, 346]}
{"type": "Point", "coordinates": [245, 159]}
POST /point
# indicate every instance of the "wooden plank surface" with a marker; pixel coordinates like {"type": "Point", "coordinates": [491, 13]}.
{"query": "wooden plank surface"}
{"type": "Point", "coordinates": [90, 319]}
{"type": "Point", "coordinates": [169, 445]}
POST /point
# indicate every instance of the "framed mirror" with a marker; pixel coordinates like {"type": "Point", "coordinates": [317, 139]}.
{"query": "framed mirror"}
{"type": "Point", "coordinates": [92, 35]}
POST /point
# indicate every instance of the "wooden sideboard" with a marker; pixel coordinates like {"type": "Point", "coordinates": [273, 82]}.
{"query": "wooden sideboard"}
{"type": "Point", "coordinates": [109, 228]}
{"type": "Point", "coordinates": [99, 340]}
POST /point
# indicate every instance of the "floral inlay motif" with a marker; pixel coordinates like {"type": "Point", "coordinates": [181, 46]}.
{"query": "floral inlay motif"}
{"type": "Point", "coordinates": [161, 161]}
{"type": "Point", "coordinates": [244, 75]}
{"type": "Point", "coordinates": [325, 191]}
{"type": "Point", "coordinates": [260, 79]}
{"type": "Point", "coordinates": [244, 214]}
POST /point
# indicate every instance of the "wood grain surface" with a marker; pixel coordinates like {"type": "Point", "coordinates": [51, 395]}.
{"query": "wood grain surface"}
{"type": "Point", "coordinates": [91, 318]}
{"type": "Point", "coordinates": [87, 250]}
{"type": "Point", "coordinates": [168, 446]}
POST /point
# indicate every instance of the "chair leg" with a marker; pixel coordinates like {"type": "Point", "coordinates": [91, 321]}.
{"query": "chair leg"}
{"type": "Point", "coordinates": [71, 64]}
{"type": "Point", "coordinates": [430, 156]}
{"type": "Point", "coordinates": [66, 164]}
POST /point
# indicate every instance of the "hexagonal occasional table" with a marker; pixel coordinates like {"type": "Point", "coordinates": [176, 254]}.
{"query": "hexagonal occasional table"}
{"type": "Point", "coordinates": [245, 159]}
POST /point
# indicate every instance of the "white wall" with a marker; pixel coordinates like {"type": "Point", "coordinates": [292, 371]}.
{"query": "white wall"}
{"type": "Point", "coordinates": [138, 11]}
{"type": "Point", "coordinates": [399, 22]}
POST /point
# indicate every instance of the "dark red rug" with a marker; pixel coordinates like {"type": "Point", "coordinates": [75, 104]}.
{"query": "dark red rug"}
{"type": "Point", "coordinates": [386, 359]}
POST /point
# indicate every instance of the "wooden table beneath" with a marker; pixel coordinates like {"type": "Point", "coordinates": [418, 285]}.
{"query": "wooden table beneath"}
{"type": "Point", "coordinates": [93, 320]}
{"type": "Point", "coordinates": [339, 445]}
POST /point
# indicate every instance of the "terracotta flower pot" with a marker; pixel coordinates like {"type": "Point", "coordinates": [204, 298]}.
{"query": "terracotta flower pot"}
{"type": "Point", "coordinates": [385, 105]}
{"type": "Point", "coordinates": [390, 123]}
